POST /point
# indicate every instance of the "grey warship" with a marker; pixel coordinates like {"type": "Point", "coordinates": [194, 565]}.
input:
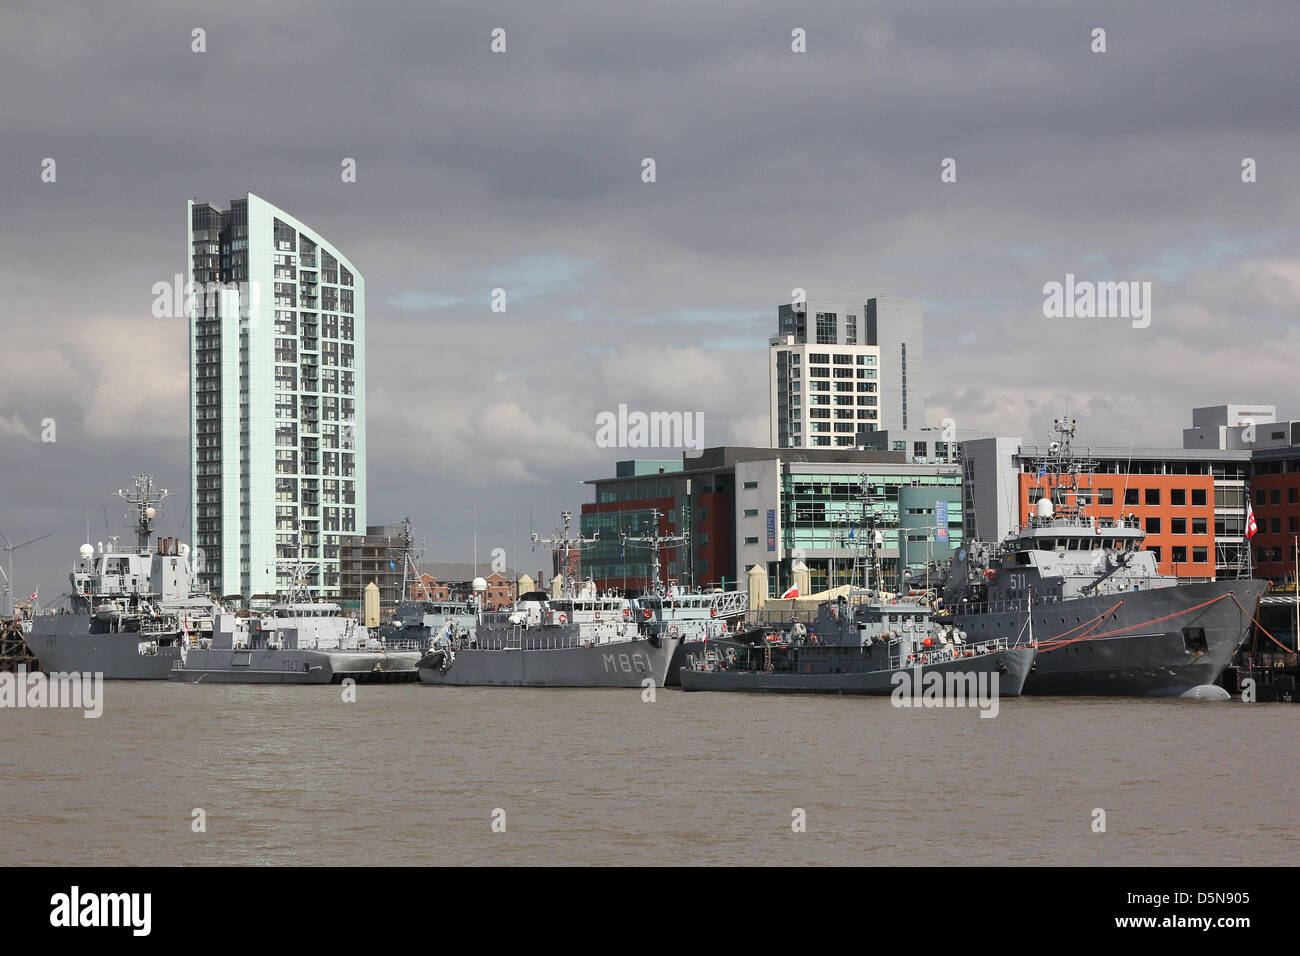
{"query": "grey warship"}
{"type": "Point", "coordinates": [129, 610]}
{"type": "Point", "coordinates": [861, 644]}
{"type": "Point", "coordinates": [580, 639]}
{"type": "Point", "coordinates": [299, 641]}
{"type": "Point", "coordinates": [1108, 622]}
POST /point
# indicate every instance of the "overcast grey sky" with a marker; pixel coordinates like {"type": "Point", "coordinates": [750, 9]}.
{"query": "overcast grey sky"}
{"type": "Point", "coordinates": [522, 170]}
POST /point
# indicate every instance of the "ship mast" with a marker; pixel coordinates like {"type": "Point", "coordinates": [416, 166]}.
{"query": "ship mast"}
{"type": "Point", "coordinates": [409, 553]}
{"type": "Point", "coordinates": [568, 542]}
{"type": "Point", "coordinates": [298, 592]}
{"type": "Point", "coordinates": [867, 539]}
{"type": "Point", "coordinates": [655, 542]}
{"type": "Point", "coordinates": [143, 501]}
{"type": "Point", "coordinates": [1062, 468]}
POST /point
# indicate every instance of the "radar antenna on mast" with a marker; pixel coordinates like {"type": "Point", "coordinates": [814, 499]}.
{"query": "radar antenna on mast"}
{"type": "Point", "coordinates": [143, 501]}
{"type": "Point", "coordinates": [568, 542]}
{"type": "Point", "coordinates": [655, 542]}
{"type": "Point", "coordinates": [1062, 470]}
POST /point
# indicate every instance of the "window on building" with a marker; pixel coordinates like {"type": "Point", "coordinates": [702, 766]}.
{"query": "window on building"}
{"type": "Point", "coordinates": [751, 541]}
{"type": "Point", "coordinates": [826, 328]}
{"type": "Point", "coordinates": [1178, 497]}
{"type": "Point", "coordinates": [1131, 496]}
{"type": "Point", "coordinates": [1105, 496]}
{"type": "Point", "coordinates": [1259, 497]}
{"type": "Point", "coordinates": [1178, 554]}
{"type": "Point", "coordinates": [1198, 497]}
{"type": "Point", "coordinates": [1153, 496]}
{"type": "Point", "coordinates": [1275, 496]}
{"type": "Point", "coordinates": [751, 512]}
{"type": "Point", "coordinates": [1199, 525]}
{"type": "Point", "coordinates": [751, 484]}
{"type": "Point", "coordinates": [1156, 552]}
{"type": "Point", "coordinates": [1200, 555]}
{"type": "Point", "coordinates": [1178, 526]}
{"type": "Point", "coordinates": [1153, 525]}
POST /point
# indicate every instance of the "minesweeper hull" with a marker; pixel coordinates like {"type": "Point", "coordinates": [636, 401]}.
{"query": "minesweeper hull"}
{"type": "Point", "coordinates": [1164, 649]}
{"type": "Point", "coordinates": [1012, 667]}
{"type": "Point", "coordinates": [273, 666]}
{"type": "Point", "coordinates": [617, 664]}
{"type": "Point", "coordinates": [63, 643]}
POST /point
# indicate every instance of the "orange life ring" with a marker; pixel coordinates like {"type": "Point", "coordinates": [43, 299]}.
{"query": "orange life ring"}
{"type": "Point", "coordinates": [564, 618]}
{"type": "Point", "coordinates": [807, 668]}
{"type": "Point", "coordinates": [713, 612]}
{"type": "Point", "coordinates": [646, 614]}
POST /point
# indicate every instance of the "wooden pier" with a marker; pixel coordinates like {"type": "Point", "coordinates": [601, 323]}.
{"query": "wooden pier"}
{"type": "Point", "coordinates": [14, 652]}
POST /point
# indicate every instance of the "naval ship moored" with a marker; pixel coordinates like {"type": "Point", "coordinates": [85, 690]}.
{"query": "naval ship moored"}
{"type": "Point", "coordinates": [580, 639]}
{"type": "Point", "coordinates": [299, 641]}
{"type": "Point", "coordinates": [860, 643]}
{"type": "Point", "coordinates": [130, 611]}
{"type": "Point", "coordinates": [1108, 623]}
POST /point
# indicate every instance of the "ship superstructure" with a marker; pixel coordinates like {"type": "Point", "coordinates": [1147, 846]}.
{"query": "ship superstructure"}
{"type": "Point", "coordinates": [130, 610]}
{"type": "Point", "coordinates": [579, 638]}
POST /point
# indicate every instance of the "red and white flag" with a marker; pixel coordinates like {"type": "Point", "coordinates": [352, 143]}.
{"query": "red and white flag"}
{"type": "Point", "coordinates": [1251, 528]}
{"type": "Point", "coordinates": [35, 594]}
{"type": "Point", "coordinates": [791, 592]}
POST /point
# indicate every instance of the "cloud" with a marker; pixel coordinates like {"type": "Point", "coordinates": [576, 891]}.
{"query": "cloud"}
{"type": "Point", "coordinates": [522, 170]}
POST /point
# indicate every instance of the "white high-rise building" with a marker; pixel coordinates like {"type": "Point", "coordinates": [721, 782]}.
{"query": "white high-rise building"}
{"type": "Point", "coordinates": [277, 399]}
{"type": "Point", "coordinates": [837, 368]}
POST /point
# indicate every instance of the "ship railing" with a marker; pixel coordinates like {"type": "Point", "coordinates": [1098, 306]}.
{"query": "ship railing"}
{"type": "Point", "coordinates": [520, 640]}
{"type": "Point", "coordinates": [1000, 607]}
{"type": "Point", "coordinates": [767, 616]}
{"type": "Point", "coordinates": [404, 645]}
{"type": "Point", "coordinates": [946, 653]}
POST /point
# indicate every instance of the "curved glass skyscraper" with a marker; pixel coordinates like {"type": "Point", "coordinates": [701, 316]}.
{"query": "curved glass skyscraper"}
{"type": "Point", "coordinates": [277, 399]}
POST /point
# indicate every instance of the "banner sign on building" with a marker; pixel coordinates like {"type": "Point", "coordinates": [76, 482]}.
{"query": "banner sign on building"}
{"type": "Point", "coordinates": [771, 529]}
{"type": "Point", "coordinates": [941, 521]}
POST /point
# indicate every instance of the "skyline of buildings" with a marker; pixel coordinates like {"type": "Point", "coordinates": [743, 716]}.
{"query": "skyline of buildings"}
{"type": "Point", "coordinates": [279, 378]}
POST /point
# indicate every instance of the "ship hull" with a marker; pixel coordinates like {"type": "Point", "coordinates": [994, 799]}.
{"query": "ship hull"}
{"type": "Point", "coordinates": [616, 664]}
{"type": "Point", "coordinates": [63, 644]}
{"type": "Point", "coordinates": [274, 666]}
{"type": "Point", "coordinates": [1170, 641]}
{"type": "Point", "coordinates": [1011, 666]}
{"type": "Point", "coordinates": [689, 653]}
